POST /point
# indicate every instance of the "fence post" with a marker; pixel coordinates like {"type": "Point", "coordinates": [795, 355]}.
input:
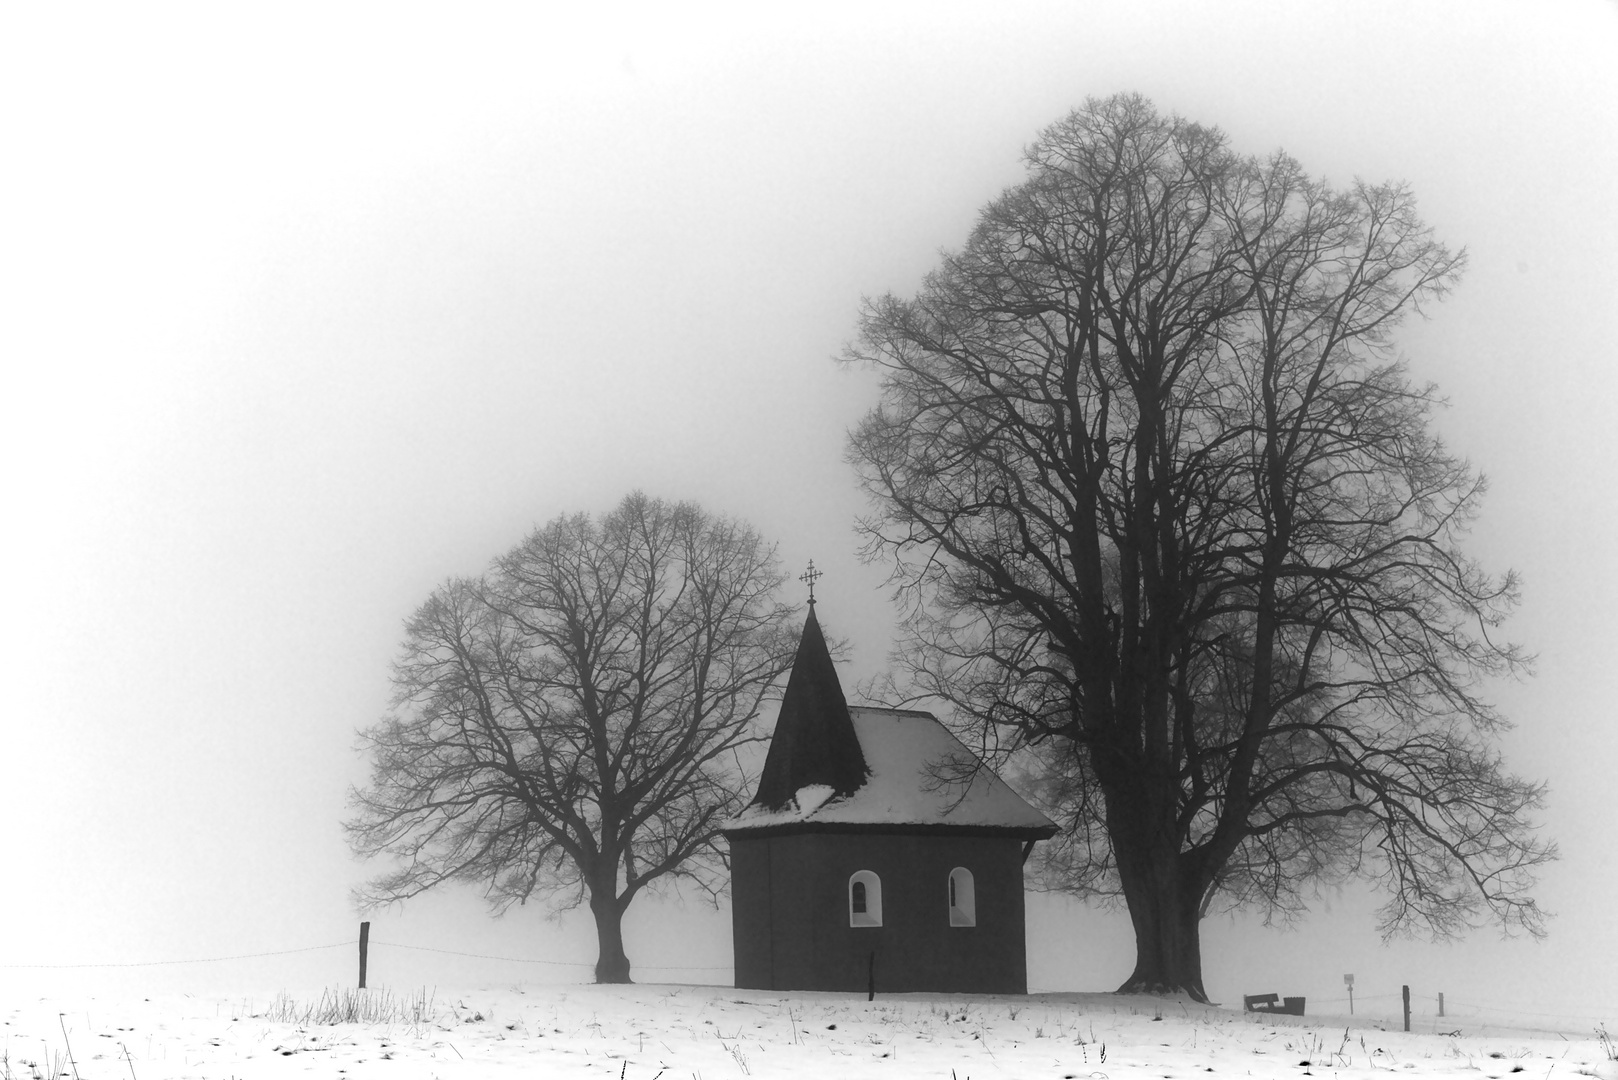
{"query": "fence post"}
{"type": "Point", "coordinates": [1441, 1003]}
{"type": "Point", "coordinates": [1407, 1008]}
{"type": "Point", "coordinates": [870, 978]}
{"type": "Point", "coordinates": [365, 942]}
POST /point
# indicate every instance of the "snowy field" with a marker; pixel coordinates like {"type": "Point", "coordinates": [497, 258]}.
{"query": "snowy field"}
{"type": "Point", "coordinates": [681, 1032]}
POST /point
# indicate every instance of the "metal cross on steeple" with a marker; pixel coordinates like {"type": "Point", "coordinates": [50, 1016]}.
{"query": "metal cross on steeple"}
{"type": "Point", "coordinates": [809, 577]}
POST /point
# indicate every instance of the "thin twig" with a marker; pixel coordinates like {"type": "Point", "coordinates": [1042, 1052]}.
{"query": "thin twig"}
{"type": "Point", "coordinates": [63, 1024]}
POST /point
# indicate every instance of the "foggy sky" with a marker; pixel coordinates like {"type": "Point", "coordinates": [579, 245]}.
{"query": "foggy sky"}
{"type": "Point", "coordinates": [305, 311]}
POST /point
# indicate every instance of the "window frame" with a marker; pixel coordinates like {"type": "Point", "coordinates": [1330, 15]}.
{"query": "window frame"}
{"type": "Point", "coordinates": [959, 886]}
{"type": "Point", "coordinates": [872, 915]}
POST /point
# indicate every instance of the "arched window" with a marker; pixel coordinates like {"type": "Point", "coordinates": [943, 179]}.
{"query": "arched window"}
{"type": "Point", "coordinates": [963, 907]}
{"type": "Point", "coordinates": [864, 899]}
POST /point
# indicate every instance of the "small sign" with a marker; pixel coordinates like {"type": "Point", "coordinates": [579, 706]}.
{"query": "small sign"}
{"type": "Point", "coordinates": [1348, 981]}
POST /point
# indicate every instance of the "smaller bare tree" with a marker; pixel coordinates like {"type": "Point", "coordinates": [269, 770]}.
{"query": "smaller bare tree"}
{"type": "Point", "coordinates": [568, 725]}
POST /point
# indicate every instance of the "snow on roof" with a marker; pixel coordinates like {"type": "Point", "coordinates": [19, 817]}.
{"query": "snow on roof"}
{"type": "Point", "coordinates": [918, 776]}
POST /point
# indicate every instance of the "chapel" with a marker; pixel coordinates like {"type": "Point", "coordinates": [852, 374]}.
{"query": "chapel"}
{"type": "Point", "coordinates": [878, 853]}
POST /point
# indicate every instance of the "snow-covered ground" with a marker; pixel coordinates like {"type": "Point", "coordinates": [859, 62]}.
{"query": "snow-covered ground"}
{"type": "Point", "coordinates": [681, 1032]}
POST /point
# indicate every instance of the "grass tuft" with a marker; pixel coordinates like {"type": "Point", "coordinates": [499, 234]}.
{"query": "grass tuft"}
{"type": "Point", "coordinates": [49, 1066]}
{"type": "Point", "coordinates": [349, 1006]}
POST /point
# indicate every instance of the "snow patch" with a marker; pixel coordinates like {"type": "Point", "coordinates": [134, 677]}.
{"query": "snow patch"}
{"type": "Point", "coordinates": [812, 796]}
{"type": "Point", "coordinates": [675, 1031]}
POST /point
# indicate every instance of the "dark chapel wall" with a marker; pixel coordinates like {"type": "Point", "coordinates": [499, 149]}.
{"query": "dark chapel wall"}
{"type": "Point", "coordinates": [789, 897]}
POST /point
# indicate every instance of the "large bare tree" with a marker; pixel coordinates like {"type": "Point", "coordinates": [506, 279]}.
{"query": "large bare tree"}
{"type": "Point", "coordinates": [568, 725]}
{"type": "Point", "coordinates": [1164, 506]}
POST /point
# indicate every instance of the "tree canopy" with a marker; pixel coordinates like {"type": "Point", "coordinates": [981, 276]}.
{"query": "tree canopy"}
{"type": "Point", "coordinates": [568, 725]}
{"type": "Point", "coordinates": [1165, 509]}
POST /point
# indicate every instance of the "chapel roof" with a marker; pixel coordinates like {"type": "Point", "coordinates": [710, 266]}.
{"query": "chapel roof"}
{"type": "Point", "coordinates": [839, 768]}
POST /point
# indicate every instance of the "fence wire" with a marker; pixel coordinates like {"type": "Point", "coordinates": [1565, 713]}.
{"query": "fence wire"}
{"type": "Point", "coordinates": [372, 943]}
{"type": "Point", "coordinates": [553, 963]}
{"type": "Point", "coordinates": [165, 963]}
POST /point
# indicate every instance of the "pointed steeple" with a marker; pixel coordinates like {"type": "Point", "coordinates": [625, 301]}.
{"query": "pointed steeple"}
{"type": "Point", "coordinates": [814, 741]}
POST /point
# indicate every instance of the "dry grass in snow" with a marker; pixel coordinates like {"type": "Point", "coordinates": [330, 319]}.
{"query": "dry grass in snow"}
{"type": "Point", "coordinates": [714, 1033]}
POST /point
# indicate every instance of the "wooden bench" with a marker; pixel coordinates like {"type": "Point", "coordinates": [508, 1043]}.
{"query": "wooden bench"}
{"type": "Point", "coordinates": [1271, 1003]}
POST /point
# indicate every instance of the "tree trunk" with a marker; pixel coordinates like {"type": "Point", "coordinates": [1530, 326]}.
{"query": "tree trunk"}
{"type": "Point", "coordinates": [1163, 887]}
{"type": "Point", "coordinates": [613, 965]}
{"type": "Point", "coordinates": [1166, 911]}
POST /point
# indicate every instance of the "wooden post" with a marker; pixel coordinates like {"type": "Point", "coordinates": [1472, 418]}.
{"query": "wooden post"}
{"type": "Point", "coordinates": [365, 943]}
{"type": "Point", "coordinates": [870, 978]}
{"type": "Point", "coordinates": [1441, 1003]}
{"type": "Point", "coordinates": [1407, 1008]}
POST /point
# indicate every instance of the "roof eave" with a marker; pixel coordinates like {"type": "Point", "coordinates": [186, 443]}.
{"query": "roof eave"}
{"type": "Point", "coordinates": [797, 828]}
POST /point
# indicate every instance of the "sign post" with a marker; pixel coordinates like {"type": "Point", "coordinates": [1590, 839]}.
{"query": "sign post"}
{"type": "Point", "coordinates": [1348, 981]}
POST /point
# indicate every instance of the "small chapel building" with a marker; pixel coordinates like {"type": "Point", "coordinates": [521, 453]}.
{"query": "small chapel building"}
{"type": "Point", "coordinates": [878, 852]}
